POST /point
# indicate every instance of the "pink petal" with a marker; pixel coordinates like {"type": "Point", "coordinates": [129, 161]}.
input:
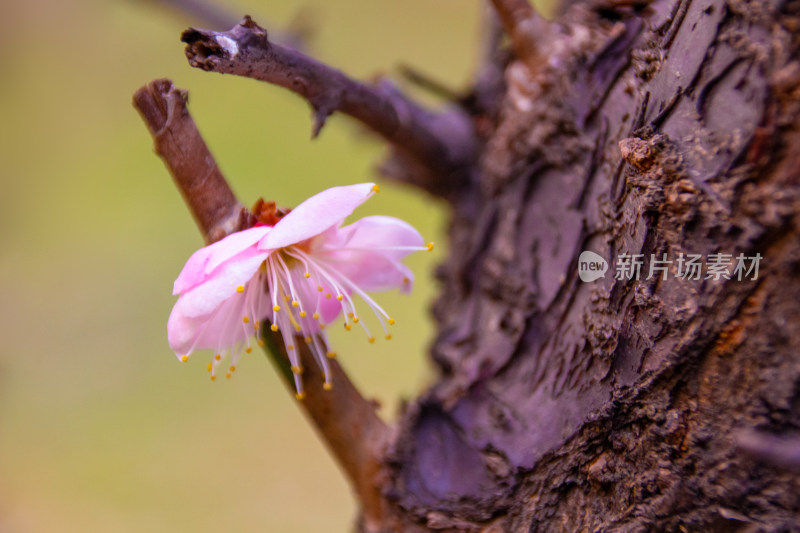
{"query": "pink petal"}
{"type": "Point", "coordinates": [320, 212]}
{"type": "Point", "coordinates": [378, 233]}
{"type": "Point", "coordinates": [205, 260]}
{"type": "Point", "coordinates": [204, 298]}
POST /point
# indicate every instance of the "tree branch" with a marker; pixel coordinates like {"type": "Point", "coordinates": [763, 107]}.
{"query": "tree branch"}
{"type": "Point", "coordinates": [444, 143]}
{"type": "Point", "coordinates": [345, 420]}
{"type": "Point", "coordinates": [194, 170]}
{"type": "Point", "coordinates": [527, 29]}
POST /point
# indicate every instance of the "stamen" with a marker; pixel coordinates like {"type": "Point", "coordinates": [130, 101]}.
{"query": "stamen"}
{"type": "Point", "coordinates": [213, 378]}
{"type": "Point", "coordinates": [250, 350]}
{"type": "Point", "coordinates": [276, 308]}
{"type": "Point", "coordinates": [274, 327]}
{"type": "Point", "coordinates": [240, 289]}
{"type": "Point", "coordinates": [302, 314]}
{"type": "Point", "coordinates": [390, 321]}
{"type": "Point", "coordinates": [327, 386]}
{"type": "Point", "coordinates": [209, 367]}
{"type": "Point", "coordinates": [315, 316]}
{"type": "Point", "coordinates": [376, 188]}
{"type": "Point", "coordinates": [430, 246]}
{"type": "Point", "coordinates": [232, 368]}
{"type": "Point", "coordinates": [388, 336]}
{"type": "Point", "coordinates": [300, 396]}
{"type": "Point", "coordinates": [217, 357]}
{"type": "Point", "coordinates": [245, 320]}
{"type": "Point", "coordinates": [331, 355]}
{"type": "Point", "coordinates": [307, 275]}
{"type": "Point", "coordinates": [184, 358]}
{"type": "Point", "coordinates": [297, 369]}
{"type": "Point", "coordinates": [371, 340]}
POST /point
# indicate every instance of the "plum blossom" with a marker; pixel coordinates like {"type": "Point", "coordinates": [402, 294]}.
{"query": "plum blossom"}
{"type": "Point", "coordinates": [300, 272]}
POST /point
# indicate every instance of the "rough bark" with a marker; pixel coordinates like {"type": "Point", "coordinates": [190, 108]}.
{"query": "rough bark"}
{"type": "Point", "coordinates": [663, 404]}
{"type": "Point", "coordinates": [619, 405]}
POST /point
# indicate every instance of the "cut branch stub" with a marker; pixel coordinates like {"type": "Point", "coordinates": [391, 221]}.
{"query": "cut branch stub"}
{"type": "Point", "coordinates": [443, 143]}
{"type": "Point", "coordinates": [194, 170]}
{"type": "Point", "coordinates": [527, 29]}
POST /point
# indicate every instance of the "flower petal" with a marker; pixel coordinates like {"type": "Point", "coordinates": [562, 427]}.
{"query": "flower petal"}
{"type": "Point", "coordinates": [205, 260]}
{"type": "Point", "coordinates": [317, 214]}
{"type": "Point", "coordinates": [221, 285]}
{"type": "Point", "coordinates": [378, 233]}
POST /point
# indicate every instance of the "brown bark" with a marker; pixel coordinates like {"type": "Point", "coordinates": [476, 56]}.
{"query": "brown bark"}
{"type": "Point", "coordinates": [661, 404]}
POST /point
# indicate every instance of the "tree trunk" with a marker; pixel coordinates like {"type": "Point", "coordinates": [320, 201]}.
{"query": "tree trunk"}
{"type": "Point", "coordinates": [664, 129]}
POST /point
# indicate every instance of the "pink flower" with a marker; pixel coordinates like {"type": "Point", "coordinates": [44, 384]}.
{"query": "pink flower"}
{"type": "Point", "coordinates": [299, 273]}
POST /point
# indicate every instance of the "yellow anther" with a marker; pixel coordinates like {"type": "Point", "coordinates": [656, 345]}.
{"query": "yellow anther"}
{"type": "Point", "coordinates": [327, 386]}
{"type": "Point", "coordinates": [217, 357]}
{"type": "Point", "coordinates": [331, 355]}
{"type": "Point", "coordinates": [371, 340]}
{"type": "Point", "coordinates": [248, 350]}
{"type": "Point", "coordinates": [351, 315]}
{"type": "Point", "coordinates": [209, 367]}
{"type": "Point", "coordinates": [286, 297]}
{"type": "Point", "coordinates": [295, 303]}
{"type": "Point", "coordinates": [276, 308]}
{"type": "Point", "coordinates": [406, 280]}
{"type": "Point", "coordinates": [307, 275]}
{"type": "Point", "coordinates": [300, 396]}
{"type": "Point", "coordinates": [228, 375]}
{"type": "Point", "coordinates": [430, 246]}
{"type": "Point", "coordinates": [297, 327]}
{"type": "Point", "coordinates": [274, 327]}
{"type": "Point", "coordinates": [240, 288]}
{"type": "Point", "coordinates": [232, 368]}
{"type": "Point", "coordinates": [390, 321]}
{"type": "Point", "coordinates": [184, 358]}
{"type": "Point", "coordinates": [348, 327]}
{"type": "Point", "coordinates": [297, 369]}
{"type": "Point", "coordinates": [388, 336]}
{"type": "Point", "coordinates": [302, 314]}
{"type": "Point", "coordinates": [322, 326]}
{"type": "Point", "coordinates": [260, 342]}
{"type": "Point", "coordinates": [319, 288]}
{"type": "Point", "coordinates": [355, 319]}
{"type": "Point", "coordinates": [328, 296]}
{"type": "Point", "coordinates": [290, 347]}
{"type": "Point", "coordinates": [213, 378]}
{"type": "Point", "coordinates": [315, 316]}
{"type": "Point", "coordinates": [307, 339]}
{"type": "Point", "coordinates": [339, 297]}
{"type": "Point", "coordinates": [246, 320]}
{"type": "Point", "coordinates": [376, 188]}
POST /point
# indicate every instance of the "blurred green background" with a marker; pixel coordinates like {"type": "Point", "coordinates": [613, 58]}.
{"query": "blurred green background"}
{"type": "Point", "coordinates": [101, 429]}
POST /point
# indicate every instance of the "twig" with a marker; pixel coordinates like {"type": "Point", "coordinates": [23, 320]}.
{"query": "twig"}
{"type": "Point", "coordinates": [527, 29]}
{"type": "Point", "coordinates": [347, 422]}
{"type": "Point", "coordinates": [344, 419]}
{"type": "Point", "coordinates": [443, 142]}
{"type": "Point", "coordinates": [181, 147]}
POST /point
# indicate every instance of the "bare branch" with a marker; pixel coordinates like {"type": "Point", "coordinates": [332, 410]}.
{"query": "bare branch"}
{"type": "Point", "coordinates": [444, 142]}
{"type": "Point", "coordinates": [527, 29]}
{"type": "Point", "coordinates": [194, 170]}
{"type": "Point", "coordinates": [346, 421]}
